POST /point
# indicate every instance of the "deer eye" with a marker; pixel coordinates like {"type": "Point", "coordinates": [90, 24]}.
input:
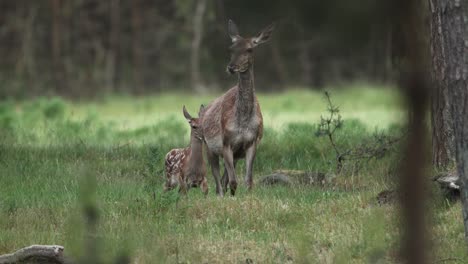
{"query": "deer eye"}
{"type": "Point", "coordinates": [249, 50]}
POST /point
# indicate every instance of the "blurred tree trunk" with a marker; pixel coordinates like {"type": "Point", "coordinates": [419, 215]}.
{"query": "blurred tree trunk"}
{"type": "Point", "coordinates": [26, 64]}
{"type": "Point", "coordinates": [58, 72]}
{"type": "Point", "coordinates": [310, 59]}
{"type": "Point", "coordinates": [318, 66]}
{"type": "Point", "coordinates": [113, 62]}
{"type": "Point", "coordinates": [278, 64]}
{"type": "Point", "coordinates": [449, 35]}
{"type": "Point", "coordinates": [197, 24]}
{"type": "Point", "coordinates": [220, 12]}
{"type": "Point", "coordinates": [379, 58]}
{"type": "Point", "coordinates": [442, 133]}
{"type": "Point", "coordinates": [305, 62]}
{"type": "Point", "coordinates": [137, 56]}
{"type": "Point", "coordinates": [388, 72]}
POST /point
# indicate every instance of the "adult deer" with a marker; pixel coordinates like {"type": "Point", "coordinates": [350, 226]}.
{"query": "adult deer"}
{"type": "Point", "coordinates": [233, 124]}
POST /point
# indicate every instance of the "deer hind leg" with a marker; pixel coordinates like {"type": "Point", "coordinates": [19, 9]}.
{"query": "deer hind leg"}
{"type": "Point", "coordinates": [229, 166]}
{"type": "Point", "coordinates": [214, 164]}
{"type": "Point", "coordinates": [225, 179]}
{"type": "Point", "coordinates": [249, 160]}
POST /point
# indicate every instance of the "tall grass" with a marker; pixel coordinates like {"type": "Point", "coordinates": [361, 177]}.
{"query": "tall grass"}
{"type": "Point", "coordinates": [48, 146]}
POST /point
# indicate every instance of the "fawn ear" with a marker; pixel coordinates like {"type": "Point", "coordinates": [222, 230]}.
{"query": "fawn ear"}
{"type": "Point", "coordinates": [264, 35]}
{"type": "Point", "coordinates": [186, 114]}
{"type": "Point", "coordinates": [233, 31]}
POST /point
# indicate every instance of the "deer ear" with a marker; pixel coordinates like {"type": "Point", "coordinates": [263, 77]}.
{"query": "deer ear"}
{"type": "Point", "coordinates": [202, 109]}
{"type": "Point", "coordinates": [264, 35]}
{"type": "Point", "coordinates": [186, 114]}
{"type": "Point", "coordinates": [233, 31]}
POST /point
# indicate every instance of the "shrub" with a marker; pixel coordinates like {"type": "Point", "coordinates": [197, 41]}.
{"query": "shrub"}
{"type": "Point", "coordinates": [8, 120]}
{"type": "Point", "coordinates": [54, 108]}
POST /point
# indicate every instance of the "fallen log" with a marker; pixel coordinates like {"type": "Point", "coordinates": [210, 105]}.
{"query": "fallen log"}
{"type": "Point", "coordinates": [450, 184]}
{"type": "Point", "coordinates": [449, 180]}
{"type": "Point", "coordinates": [296, 177]}
{"type": "Point", "coordinates": [52, 254]}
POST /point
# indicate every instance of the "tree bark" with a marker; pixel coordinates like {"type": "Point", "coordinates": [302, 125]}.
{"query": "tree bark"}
{"type": "Point", "coordinates": [442, 132]}
{"type": "Point", "coordinates": [449, 34]}
{"type": "Point", "coordinates": [195, 49]}
{"type": "Point", "coordinates": [441, 120]}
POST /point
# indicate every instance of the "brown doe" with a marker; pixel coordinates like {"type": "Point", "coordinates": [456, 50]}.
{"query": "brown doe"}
{"type": "Point", "coordinates": [185, 166]}
{"type": "Point", "coordinates": [233, 124]}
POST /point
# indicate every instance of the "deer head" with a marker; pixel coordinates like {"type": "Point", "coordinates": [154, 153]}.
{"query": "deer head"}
{"type": "Point", "coordinates": [242, 48]}
{"type": "Point", "coordinates": [195, 123]}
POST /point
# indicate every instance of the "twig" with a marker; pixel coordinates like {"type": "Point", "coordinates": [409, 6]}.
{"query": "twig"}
{"type": "Point", "coordinates": [328, 127]}
{"type": "Point", "coordinates": [121, 146]}
{"type": "Point", "coordinates": [367, 150]}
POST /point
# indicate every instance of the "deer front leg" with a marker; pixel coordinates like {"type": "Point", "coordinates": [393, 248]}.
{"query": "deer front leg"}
{"type": "Point", "coordinates": [214, 164]}
{"type": "Point", "coordinates": [229, 166]}
{"type": "Point", "coordinates": [249, 159]}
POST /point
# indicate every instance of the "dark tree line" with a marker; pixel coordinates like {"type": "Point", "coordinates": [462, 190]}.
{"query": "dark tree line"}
{"type": "Point", "coordinates": [85, 47]}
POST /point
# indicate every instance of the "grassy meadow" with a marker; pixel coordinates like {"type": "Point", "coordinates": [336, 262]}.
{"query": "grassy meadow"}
{"type": "Point", "coordinates": [58, 157]}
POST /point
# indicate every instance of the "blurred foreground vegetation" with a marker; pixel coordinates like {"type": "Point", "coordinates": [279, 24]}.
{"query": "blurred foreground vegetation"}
{"type": "Point", "coordinates": [49, 145]}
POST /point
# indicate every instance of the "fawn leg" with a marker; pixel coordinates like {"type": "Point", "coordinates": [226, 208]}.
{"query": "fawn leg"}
{"type": "Point", "coordinates": [229, 165]}
{"type": "Point", "coordinates": [182, 185]}
{"type": "Point", "coordinates": [249, 159]}
{"type": "Point", "coordinates": [204, 187]}
{"type": "Point", "coordinates": [214, 164]}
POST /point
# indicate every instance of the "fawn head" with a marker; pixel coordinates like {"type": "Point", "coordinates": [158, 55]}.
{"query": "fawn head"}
{"type": "Point", "coordinates": [242, 48]}
{"type": "Point", "coordinates": [195, 122]}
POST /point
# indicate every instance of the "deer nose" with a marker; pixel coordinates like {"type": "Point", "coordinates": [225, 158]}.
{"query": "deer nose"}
{"type": "Point", "coordinates": [230, 69]}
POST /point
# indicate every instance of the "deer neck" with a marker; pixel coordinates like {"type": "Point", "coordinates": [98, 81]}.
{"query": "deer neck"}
{"type": "Point", "coordinates": [196, 153]}
{"type": "Point", "coordinates": [246, 97]}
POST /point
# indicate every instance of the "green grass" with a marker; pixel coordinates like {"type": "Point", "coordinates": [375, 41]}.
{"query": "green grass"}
{"type": "Point", "coordinates": [54, 153]}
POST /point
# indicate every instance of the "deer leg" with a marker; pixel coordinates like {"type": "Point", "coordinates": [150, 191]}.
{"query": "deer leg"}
{"type": "Point", "coordinates": [214, 164]}
{"type": "Point", "coordinates": [182, 185]}
{"type": "Point", "coordinates": [225, 179]}
{"type": "Point", "coordinates": [249, 159]}
{"type": "Point", "coordinates": [171, 182]}
{"type": "Point", "coordinates": [229, 165]}
{"type": "Point", "coordinates": [204, 187]}
{"type": "Point", "coordinates": [167, 184]}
